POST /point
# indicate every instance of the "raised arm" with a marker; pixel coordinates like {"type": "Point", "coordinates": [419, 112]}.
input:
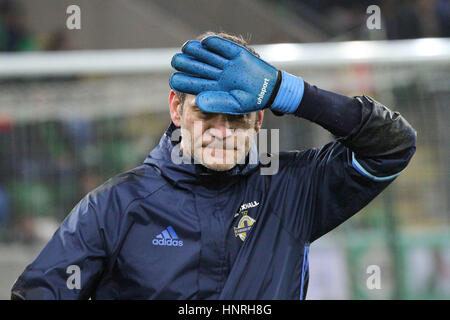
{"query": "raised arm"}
{"type": "Point", "coordinates": [373, 144]}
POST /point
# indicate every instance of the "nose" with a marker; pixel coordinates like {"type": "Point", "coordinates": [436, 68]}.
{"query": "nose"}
{"type": "Point", "coordinates": [220, 126]}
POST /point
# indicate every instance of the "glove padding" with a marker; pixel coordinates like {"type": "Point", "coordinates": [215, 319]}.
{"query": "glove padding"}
{"type": "Point", "coordinates": [225, 76]}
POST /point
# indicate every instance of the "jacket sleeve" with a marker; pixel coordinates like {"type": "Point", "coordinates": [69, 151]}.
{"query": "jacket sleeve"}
{"type": "Point", "coordinates": [345, 175]}
{"type": "Point", "coordinates": [70, 264]}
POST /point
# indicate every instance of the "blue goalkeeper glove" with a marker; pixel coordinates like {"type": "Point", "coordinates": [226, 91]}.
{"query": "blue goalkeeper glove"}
{"type": "Point", "coordinates": [227, 78]}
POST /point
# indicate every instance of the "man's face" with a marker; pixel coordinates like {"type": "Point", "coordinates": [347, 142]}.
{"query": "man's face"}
{"type": "Point", "coordinates": [216, 140]}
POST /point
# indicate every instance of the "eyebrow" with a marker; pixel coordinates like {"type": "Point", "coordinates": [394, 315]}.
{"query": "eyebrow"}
{"type": "Point", "coordinates": [196, 108]}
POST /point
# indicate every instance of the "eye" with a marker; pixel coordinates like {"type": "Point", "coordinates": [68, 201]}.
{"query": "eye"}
{"type": "Point", "coordinates": [237, 117]}
{"type": "Point", "coordinates": [206, 114]}
{"type": "Point", "coordinates": [200, 112]}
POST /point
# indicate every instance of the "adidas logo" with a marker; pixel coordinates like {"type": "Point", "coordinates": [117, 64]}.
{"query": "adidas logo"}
{"type": "Point", "coordinates": [167, 237]}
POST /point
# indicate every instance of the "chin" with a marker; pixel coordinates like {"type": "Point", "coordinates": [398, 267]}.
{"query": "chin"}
{"type": "Point", "coordinates": [219, 163]}
{"type": "Point", "coordinates": [219, 167]}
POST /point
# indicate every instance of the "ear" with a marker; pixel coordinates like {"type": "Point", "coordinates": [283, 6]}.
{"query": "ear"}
{"type": "Point", "coordinates": [259, 120]}
{"type": "Point", "coordinates": [174, 102]}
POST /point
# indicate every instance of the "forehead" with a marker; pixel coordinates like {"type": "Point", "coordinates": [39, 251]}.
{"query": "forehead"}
{"type": "Point", "coordinates": [189, 100]}
{"type": "Point", "coordinates": [190, 103]}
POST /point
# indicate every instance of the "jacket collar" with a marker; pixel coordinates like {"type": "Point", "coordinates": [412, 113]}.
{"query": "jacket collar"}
{"type": "Point", "coordinates": [188, 173]}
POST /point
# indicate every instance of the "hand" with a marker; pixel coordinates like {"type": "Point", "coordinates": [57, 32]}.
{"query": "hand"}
{"type": "Point", "coordinates": [227, 78]}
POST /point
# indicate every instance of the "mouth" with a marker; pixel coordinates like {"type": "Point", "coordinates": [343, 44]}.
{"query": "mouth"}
{"type": "Point", "coordinates": [219, 148]}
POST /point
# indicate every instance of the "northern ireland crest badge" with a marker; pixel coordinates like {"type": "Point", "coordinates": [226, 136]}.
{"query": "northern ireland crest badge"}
{"type": "Point", "coordinates": [244, 226]}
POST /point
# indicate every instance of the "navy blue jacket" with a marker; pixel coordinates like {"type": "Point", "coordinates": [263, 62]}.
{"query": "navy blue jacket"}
{"type": "Point", "coordinates": [181, 231]}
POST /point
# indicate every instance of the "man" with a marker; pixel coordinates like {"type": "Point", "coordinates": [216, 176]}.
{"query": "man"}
{"type": "Point", "coordinates": [198, 220]}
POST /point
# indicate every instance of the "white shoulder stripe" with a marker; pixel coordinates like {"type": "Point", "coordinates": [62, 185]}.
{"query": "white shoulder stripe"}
{"type": "Point", "coordinates": [364, 172]}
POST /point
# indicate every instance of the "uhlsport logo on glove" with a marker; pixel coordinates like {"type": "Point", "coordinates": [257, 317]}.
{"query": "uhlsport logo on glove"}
{"type": "Point", "coordinates": [263, 90]}
{"type": "Point", "coordinates": [228, 78]}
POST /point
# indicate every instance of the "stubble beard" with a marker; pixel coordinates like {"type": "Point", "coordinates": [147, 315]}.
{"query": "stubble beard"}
{"type": "Point", "coordinates": [217, 159]}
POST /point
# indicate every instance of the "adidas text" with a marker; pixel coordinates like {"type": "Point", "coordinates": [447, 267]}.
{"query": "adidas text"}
{"type": "Point", "coordinates": [167, 237]}
{"type": "Point", "coordinates": [167, 242]}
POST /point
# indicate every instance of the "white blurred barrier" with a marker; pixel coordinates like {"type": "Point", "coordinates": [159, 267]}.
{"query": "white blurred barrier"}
{"type": "Point", "coordinates": [428, 50]}
{"type": "Point", "coordinates": [126, 82]}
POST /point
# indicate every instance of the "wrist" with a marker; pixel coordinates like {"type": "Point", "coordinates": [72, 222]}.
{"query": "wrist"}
{"type": "Point", "coordinates": [289, 94]}
{"type": "Point", "coordinates": [337, 113]}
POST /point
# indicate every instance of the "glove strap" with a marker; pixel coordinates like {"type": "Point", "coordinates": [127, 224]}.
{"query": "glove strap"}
{"type": "Point", "coordinates": [289, 94]}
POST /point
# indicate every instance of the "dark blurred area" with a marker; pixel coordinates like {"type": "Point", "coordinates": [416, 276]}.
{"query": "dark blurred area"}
{"type": "Point", "coordinates": [40, 25]}
{"type": "Point", "coordinates": [401, 19]}
{"type": "Point", "coordinates": [13, 33]}
{"type": "Point", "coordinates": [18, 35]}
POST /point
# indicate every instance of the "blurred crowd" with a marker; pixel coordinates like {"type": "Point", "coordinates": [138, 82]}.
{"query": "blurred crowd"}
{"type": "Point", "coordinates": [48, 166]}
{"type": "Point", "coordinates": [16, 36]}
{"type": "Point", "coordinates": [20, 191]}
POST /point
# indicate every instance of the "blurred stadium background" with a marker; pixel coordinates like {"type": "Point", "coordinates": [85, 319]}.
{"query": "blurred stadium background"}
{"type": "Point", "coordinates": [80, 106]}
